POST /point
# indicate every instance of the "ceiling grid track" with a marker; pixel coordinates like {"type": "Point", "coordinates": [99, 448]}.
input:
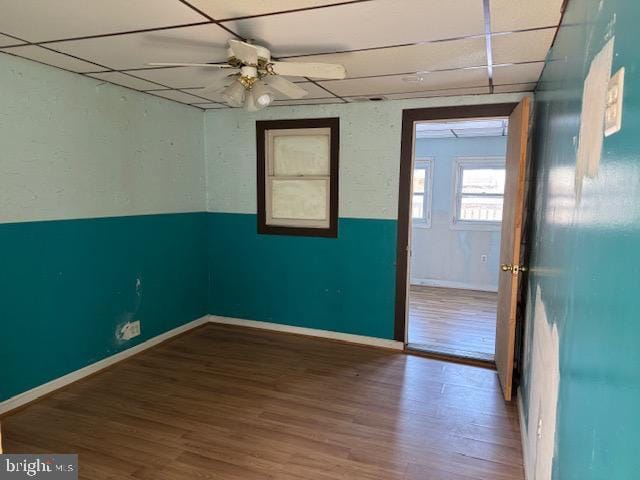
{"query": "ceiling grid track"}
{"type": "Point", "coordinates": [487, 35]}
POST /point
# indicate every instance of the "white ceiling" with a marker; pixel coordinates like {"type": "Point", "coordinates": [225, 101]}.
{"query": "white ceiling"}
{"type": "Point", "coordinates": [456, 47]}
{"type": "Point", "coordinates": [463, 128]}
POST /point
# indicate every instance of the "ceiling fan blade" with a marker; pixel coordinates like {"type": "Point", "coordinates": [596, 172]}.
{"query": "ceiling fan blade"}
{"type": "Point", "coordinates": [285, 87]}
{"type": "Point", "coordinates": [245, 52]}
{"type": "Point", "coordinates": [219, 85]}
{"type": "Point", "coordinates": [213, 65]}
{"type": "Point", "coordinates": [328, 71]}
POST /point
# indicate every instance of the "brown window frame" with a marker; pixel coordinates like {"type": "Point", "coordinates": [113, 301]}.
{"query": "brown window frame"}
{"type": "Point", "coordinates": [262, 127]}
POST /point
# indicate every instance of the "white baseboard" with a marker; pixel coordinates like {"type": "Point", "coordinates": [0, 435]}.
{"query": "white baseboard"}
{"type": "Point", "coordinates": [429, 282]}
{"type": "Point", "coordinates": [311, 332]}
{"type": "Point", "coordinates": [37, 392]}
{"type": "Point", "coordinates": [34, 393]}
{"type": "Point", "coordinates": [523, 438]}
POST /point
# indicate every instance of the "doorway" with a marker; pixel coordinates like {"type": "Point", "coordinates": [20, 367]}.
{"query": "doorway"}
{"type": "Point", "coordinates": [467, 191]}
{"type": "Point", "coordinates": [457, 195]}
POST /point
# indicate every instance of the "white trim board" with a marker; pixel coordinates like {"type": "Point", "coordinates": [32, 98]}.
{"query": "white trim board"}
{"type": "Point", "coordinates": [526, 454]}
{"type": "Point", "coordinates": [429, 282]}
{"type": "Point", "coordinates": [310, 332]}
{"type": "Point", "coordinates": [37, 392]}
{"type": "Point", "coordinates": [41, 390]}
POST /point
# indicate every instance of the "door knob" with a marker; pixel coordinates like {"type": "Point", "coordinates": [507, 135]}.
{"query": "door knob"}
{"type": "Point", "coordinates": [515, 269]}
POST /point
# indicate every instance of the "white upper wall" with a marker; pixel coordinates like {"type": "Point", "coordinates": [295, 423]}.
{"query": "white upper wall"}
{"type": "Point", "coordinates": [369, 152]}
{"type": "Point", "coordinates": [74, 147]}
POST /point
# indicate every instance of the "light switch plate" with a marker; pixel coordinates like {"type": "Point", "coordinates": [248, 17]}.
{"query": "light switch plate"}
{"type": "Point", "coordinates": [613, 113]}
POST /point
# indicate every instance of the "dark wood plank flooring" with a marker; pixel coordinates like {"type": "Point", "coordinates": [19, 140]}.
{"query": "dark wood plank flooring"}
{"type": "Point", "coordinates": [452, 321]}
{"type": "Point", "coordinates": [225, 402]}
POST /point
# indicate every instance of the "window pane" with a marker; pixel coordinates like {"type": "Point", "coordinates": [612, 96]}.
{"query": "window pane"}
{"type": "Point", "coordinates": [419, 175]}
{"type": "Point", "coordinates": [483, 180]}
{"type": "Point", "coordinates": [299, 199]}
{"type": "Point", "coordinates": [418, 206]}
{"type": "Point", "coordinates": [301, 155]}
{"type": "Point", "coordinates": [487, 209]}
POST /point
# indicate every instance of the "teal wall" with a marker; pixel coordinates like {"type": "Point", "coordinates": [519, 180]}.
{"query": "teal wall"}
{"type": "Point", "coordinates": [99, 192]}
{"type": "Point", "coordinates": [585, 261]}
{"type": "Point", "coordinates": [68, 285]}
{"type": "Point", "coordinates": [304, 281]}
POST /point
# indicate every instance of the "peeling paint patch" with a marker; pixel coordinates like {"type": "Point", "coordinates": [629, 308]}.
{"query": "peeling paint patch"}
{"type": "Point", "coordinates": [594, 104]}
{"type": "Point", "coordinates": [543, 349]}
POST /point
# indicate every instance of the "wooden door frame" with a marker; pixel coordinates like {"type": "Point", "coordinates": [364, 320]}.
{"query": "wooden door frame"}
{"type": "Point", "coordinates": [409, 117]}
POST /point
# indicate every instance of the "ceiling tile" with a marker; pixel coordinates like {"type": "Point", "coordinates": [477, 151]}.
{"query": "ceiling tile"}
{"type": "Point", "coordinates": [5, 41]}
{"type": "Point", "coordinates": [510, 15]}
{"type": "Point", "coordinates": [313, 90]}
{"type": "Point", "coordinates": [480, 132]}
{"type": "Point", "coordinates": [309, 101]}
{"type": "Point", "coordinates": [440, 93]}
{"type": "Point", "coordinates": [518, 87]}
{"type": "Point", "coordinates": [457, 125]}
{"type": "Point", "coordinates": [55, 20]}
{"type": "Point", "coordinates": [126, 80]}
{"type": "Point", "coordinates": [523, 73]}
{"type": "Point", "coordinates": [412, 58]}
{"type": "Point", "coordinates": [213, 96]}
{"type": "Point", "coordinates": [178, 96]}
{"type": "Point", "coordinates": [200, 44]}
{"type": "Point", "coordinates": [55, 59]}
{"type": "Point", "coordinates": [245, 8]}
{"type": "Point", "coordinates": [184, 77]}
{"type": "Point", "coordinates": [363, 25]}
{"type": "Point", "coordinates": [475, 77]}
{"type": "Point", "coordinates": [522, 47]}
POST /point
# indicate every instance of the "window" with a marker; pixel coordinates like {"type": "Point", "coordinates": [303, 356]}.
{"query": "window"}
{"type": "Point", "coordinates": [422, 188]}
{"type": "Point", "coordinates": [479, 192]}
{"type": "Point", "coordinates": [298, 176]}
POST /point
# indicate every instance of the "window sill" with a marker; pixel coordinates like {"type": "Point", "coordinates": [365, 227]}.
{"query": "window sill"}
{"type": "Point", "coordinates": [420, 224]}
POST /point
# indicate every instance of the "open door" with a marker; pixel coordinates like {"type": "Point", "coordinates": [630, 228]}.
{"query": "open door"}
{"type": "Point", "coordinates": [510, 246]}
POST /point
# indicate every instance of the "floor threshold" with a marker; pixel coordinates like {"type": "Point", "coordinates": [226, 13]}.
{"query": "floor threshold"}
{"type": "Point", "coordinates": [467, 358]}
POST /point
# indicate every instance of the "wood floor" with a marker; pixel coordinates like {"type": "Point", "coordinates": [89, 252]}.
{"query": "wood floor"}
{"type": "Point", "coordinates": [225, 402]}
{"type": "Point", "coordinates": [452, 321]}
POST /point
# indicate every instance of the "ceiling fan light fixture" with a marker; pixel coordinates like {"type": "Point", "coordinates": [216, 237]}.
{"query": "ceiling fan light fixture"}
{"type": "Point", "coordinates": [234, 94]}
{"type": "Point", "coordinates": [261, 95]}
{"type": "Point", "coordinates": [256, 77]}
{"type": "Point", "coordinates": [250, 104]}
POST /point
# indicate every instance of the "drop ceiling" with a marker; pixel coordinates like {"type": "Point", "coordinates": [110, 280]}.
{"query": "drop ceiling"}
{"type": "Point", "coordinates": [465, 128]}
{"type": "Point", "coordinates": [392, 49]}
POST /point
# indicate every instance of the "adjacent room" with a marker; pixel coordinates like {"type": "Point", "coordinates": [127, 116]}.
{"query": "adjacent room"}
{"type": "Point", "coordinates": [319, 239]}
{"type": "Point", "coordinates": [456, 218]}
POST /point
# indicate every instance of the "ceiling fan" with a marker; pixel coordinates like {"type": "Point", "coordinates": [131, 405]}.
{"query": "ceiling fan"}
{"type": "Point", "coordinates": [257, 76]}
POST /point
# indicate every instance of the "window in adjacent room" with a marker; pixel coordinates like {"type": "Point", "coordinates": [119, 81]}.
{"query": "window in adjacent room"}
{"type": "Point", "coordinates": [298, 176]}
{"type": "Point", "coordinates": [422, 188]}
{"type": "Point", "coordinates": [479, 192]}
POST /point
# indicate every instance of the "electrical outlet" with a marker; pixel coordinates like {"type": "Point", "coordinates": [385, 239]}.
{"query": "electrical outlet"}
{"type": "Point", "coordinates": [483, 258]}
{"type": "Point", "coordinates": [134, 328]}
{"type": "Point", "coordinates": [613, 112]}
{"type": "Point", "coordinates": [130, 330]}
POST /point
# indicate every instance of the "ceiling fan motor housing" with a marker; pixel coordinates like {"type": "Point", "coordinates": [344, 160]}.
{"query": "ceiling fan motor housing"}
{"type": "Point", "coordinates": [264, 57]}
